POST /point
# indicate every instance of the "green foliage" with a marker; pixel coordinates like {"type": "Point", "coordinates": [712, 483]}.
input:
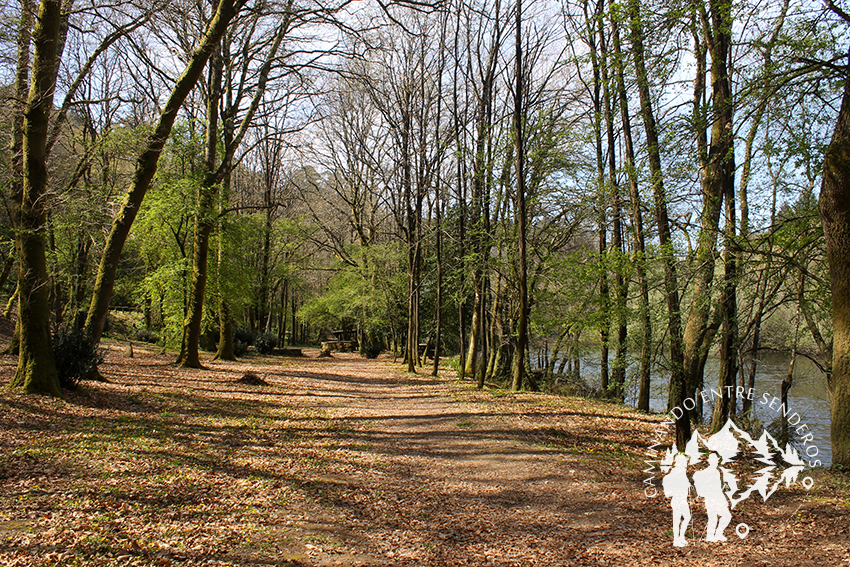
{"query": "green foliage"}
{"type": "Point", "coordinates": [159, 252]}
{"type": "Point", "coordinates": [566, 296]}
{"type": "Point", "coordinates": [166, 289]}
{"type": "Point", "coordinates": [368, 294]}
{"type": "Point", "coordinates": [76, 356]}
{"type": "Point", "coordinates": [236, 277]}
{"type": "Point", "coordinates": [80, 217]}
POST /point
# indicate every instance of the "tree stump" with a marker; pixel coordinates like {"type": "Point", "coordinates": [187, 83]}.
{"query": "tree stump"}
{"type": "Point", "coordinates": [252, 379]}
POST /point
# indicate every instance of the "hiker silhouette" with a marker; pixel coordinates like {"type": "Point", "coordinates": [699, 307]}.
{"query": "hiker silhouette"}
{"type": "Point", "coordinates": [676, 487]}
{"type": "Point", "coordinates": [708, 483]}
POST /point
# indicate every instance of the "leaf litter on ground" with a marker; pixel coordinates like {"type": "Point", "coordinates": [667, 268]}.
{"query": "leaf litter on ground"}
{"type": "Point", "coordinates": [348, 461]}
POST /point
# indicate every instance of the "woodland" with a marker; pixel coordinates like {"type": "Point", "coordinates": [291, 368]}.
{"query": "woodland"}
{"type": "Point", "coordinates": [498, 186]}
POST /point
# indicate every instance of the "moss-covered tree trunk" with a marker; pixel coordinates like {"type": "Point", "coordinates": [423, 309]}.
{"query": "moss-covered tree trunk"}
{"type": "Point", "coordinates": [195, 311]}
{"type": "Point", "coordinates": [146, 166]}
{"type": "Point", "coordinates": [36, 370]}
{"type": "Point", "coordinates": [225, 319]}
{"type": "Point", "coordinates": [204, 222]}
{"type": "Point", "coordinates": [225, 337]}
{"type": "Point", "coordinates": [712, 157]}
{"type": "Point", "coordinates": [16, 146]}
{"type": "Point", "coordinates": [835, 212]}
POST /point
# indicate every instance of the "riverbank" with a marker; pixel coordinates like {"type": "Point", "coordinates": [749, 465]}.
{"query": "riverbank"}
{"type": "Point", "coordinates": [346, 461]}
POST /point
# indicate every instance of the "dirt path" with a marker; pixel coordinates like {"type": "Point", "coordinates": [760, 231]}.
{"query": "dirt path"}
{"type": "Point", "coordinates": [346, 461]}
{"type": "Point", "coordinates": [457, 483]}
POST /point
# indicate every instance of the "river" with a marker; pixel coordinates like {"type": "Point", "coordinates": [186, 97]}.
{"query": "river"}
{"type": "Point", "coordinates": [808, 395]}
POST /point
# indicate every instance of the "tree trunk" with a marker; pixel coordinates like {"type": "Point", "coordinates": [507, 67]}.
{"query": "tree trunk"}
{"type": "Point", "coordinates": [618, 370]}
{"type": "Point", "coordinates": [79, 285]}
{"type": "Point", "coordinates": [726, 405]}
{"type": "Point", "coordinates": [556, 349]}
{"type": "Point", "coordinates": [411, 351]}
{"type": "Point", "coordinates": [639, 259]}
{"type": "Point", "coordinates": [438, 308]}
{"type": "Point", "coordinates": [146, 167]}
{"type": "Point", "coordinates": [459, 135]}
{"type": "Point", "coordinates": [225, 320]}
{"type": "Point", "coordinates": [747, 404]}
{"type": "Point", "coordinates": [36, 370]}
{"type": "Point", "coordinates": [788, 381]}
{"type": "Point", "coordinates": [265, 261]}
{"type": "Point", "coordinates": [496, 332]}
{"type": "Point", "coordinates": [519, 360]}
{"type": "Point", "coordinates": [835, 213]}
{"type": "Point", "coordinates": [602, 204]}
{"type": "Point", "coordinates": [284, 293]}
{"type": "Point", "coordinates": [476, 361]}
{"type": "Point", "coordinates": [294, 322]}
{"type": "Point", "coordinates": [718, 179]}
{"type": "Point", "coordinates": [7, 269]}
{"type": "Point", "coordinates": [461, 303]}
{"type": "Point", "coordinates": [671, 286]}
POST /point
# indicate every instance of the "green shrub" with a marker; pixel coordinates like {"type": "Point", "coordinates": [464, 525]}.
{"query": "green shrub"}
{"type": "Point", "coordinates": [76, 354]}
{"type": "Point", "coordinates": [244, 336]}
{"type": "Point", "coordinates": [239, 348]}
{"type": "Point", "coordinates": [372, 348]}
{"type": "Point", "coordinates": [145, 336]}
{"type": "Point", "coordinates": [265, 343]}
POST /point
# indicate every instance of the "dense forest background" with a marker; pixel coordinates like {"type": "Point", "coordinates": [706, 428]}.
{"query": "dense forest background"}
{"type": "Point", "coordinates": [505, 183]}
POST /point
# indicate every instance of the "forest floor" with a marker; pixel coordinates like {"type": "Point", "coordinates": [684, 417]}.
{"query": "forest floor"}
{"type": "Point", "coordinates": [346, 461]}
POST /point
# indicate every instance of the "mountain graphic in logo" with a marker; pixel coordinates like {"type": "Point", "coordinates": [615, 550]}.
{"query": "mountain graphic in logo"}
{"type": "Point", "coordinates": [724, 469]}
